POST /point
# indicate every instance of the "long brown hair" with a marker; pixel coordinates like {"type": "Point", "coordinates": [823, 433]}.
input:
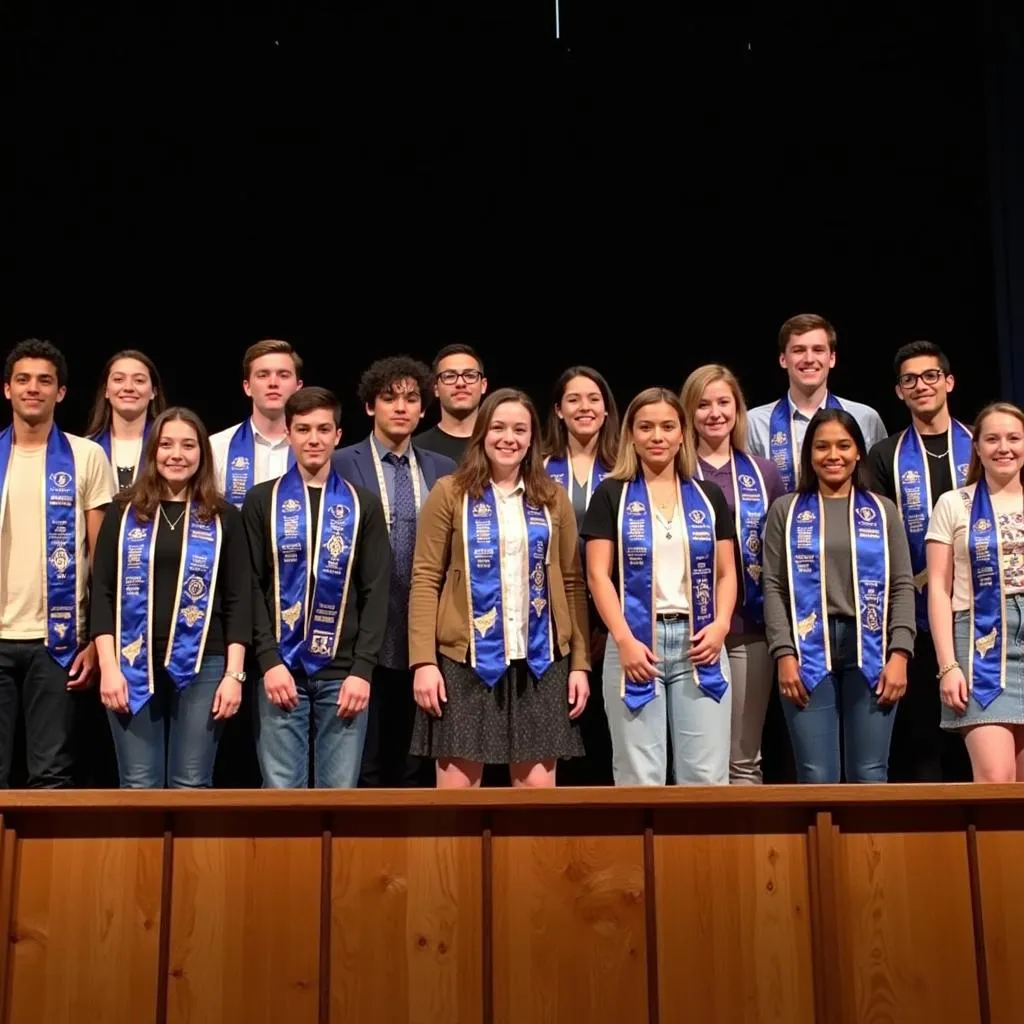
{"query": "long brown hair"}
{"type": "Point", "coordinates": [474, 472]}
{"type": "Point", "coordinates": [556, 438]}
{"type": "Point", "coordinates": [99, 418]}
{"type": "Point", "coordinates": [627, 465]}
{"type": "Point", "coordinates": [146, 493]}
{"type": "Point", "coordinates": [975, 471]}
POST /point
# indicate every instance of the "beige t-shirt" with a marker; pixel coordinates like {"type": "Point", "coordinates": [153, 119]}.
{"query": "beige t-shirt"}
{"type": "Point", "coordinates": [23, 534]}
{"type": "Point", "coordinates": [950, 523]}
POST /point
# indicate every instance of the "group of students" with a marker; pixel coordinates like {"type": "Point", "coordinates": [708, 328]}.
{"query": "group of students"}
{"type": "Point", "coordinates": [408, 611]}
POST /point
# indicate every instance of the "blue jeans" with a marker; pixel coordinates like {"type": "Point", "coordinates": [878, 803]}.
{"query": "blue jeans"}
{"type": "Point", "coordinates": [172, 741]}
{"type": "Point", "coordinates": [841, 698]}
{"type": "Point", "coordinates": [699, 727]}
{"type": "Point", "coordinates": [282, 738]}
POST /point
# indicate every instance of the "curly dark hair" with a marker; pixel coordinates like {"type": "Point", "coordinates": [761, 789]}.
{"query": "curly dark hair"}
{"type": "Point", "coordinates": [383, 374]}
{"type": "Point", "coordinates": [36, 348]}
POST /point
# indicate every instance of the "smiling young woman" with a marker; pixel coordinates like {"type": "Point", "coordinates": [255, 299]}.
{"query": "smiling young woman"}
{"type": "Point", "coordinates": [498, 633]}
{"type": "Point", "coordinates": [839, 608]}
{"type": "Point", "coordinates": [976, 598]}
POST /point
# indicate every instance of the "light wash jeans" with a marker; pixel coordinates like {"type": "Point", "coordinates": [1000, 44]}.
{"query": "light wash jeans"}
{"type": "Point", "coordinates": [697, 726]}
{"type": "Point", "coordinates": [172, 741]}
{"type": "Point", "coordinates": [842, 700]}
{"type": "Point", "coordinates": [282, 738]}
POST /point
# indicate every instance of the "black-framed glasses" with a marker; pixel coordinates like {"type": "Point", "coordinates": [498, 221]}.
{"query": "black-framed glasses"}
{"type": "Point", "coordinates": [452, 376]}
{"type": "Point", "coordinates": [908, 381]}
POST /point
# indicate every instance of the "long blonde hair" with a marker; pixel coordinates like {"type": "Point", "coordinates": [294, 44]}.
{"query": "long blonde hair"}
{"type": "Point", "coordinates": [976, 471]}
{"type": "Point", "coordinates": [627, 465]}
{"type": "Point", "coordinates": [691, 394]}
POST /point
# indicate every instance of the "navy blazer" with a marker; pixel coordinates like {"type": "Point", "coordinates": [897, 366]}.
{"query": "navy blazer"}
{"type": "Point", "coordinates": [355, 464]}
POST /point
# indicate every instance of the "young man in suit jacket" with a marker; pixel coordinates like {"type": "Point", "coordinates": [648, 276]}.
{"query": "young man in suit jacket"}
{"type": "Point", "coordinates": [394, 391]}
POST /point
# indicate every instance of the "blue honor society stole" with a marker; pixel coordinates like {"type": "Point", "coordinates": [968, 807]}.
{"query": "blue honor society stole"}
{"type": "Point", "coordinates": [782, 447]}
{"type": "Point", "coordinates": [240, 473]}
{"type": "Point", "coordinates": [309, 620]}
{"type": "Point", "coordinates": [488, 589]}
{"type": "Point", "coordinates": [915, 500]}
{"type": "Point", "coordinates": [805, 557]}
{"type": "Point", "coordinates": [190, 621]}
{"type": "Point", "coordinates": [986, 667]}
{"type": "Point", "coordinates": [559, 468]}
{"type": "Point", "coordinates": [59, 496]}
{"type": "Point", "coordinates": [638, 553]}
{"type": "Point", "coordinates": [751, 503]}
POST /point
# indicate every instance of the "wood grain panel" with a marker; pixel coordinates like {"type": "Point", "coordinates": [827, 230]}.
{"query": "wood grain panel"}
{"type": "Point", "coordinates": [569, 928]}
{"type": "Point", "coordinates": [245, 930]}
{"type": "Point", "coordinates": [734, 931]}
{"type": "Point", "coordinates": [1000, 856]}
{"type": "Point", "coordinates": [406, 924]}
{"type": "Point", "coordinates": [906, 935]}
{"type": "Point", "coordinates": [85, 929]}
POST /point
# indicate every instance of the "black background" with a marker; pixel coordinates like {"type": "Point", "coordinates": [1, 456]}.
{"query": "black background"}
{"type": "Point", "coordinates": [649, 192]}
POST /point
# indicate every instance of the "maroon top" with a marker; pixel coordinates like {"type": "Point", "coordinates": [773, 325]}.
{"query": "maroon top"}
{"type": "Point", "coordinates": [741, 623]}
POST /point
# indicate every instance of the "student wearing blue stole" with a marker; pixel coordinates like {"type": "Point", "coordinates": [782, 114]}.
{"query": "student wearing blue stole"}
{"type": "Point", "coordinates": [660, 564]}
{"type": "Point", "coordinates": [171, 611]}
{"type": "Point", "coordinates": [839, 608]}
{"type": "Point", "coordinates": [257, 449]}
{"type": "Point", "coordinates": [807, 352]}
{"type": "Point", "coordinates": [716, 412]}
{"type": "Point", "coordinates": [580, 446]}
{"type": "Point", "coordinates": [976, 598]}
{"type": "Point", "coordinates": [914, 468]}
{"type": "Point", "coordinates": [322, 564]}
{"type": "Point", "coordinates": [129, 397]}
{"type": "Point", "coordinates": [498, 632]}
{"type": "Point", "coordinates": [53, 488]}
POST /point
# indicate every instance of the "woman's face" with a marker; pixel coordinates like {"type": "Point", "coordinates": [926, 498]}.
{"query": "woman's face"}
{"type": "Point", "coordinates": [657, 435]}
{"type": "Point", "coordinates": [582, 409]}
{"type": "Point", "coordinates": [1000, 446]}
{"type": "Point", "coordinates": [129, 388]}
{"type": "Point", "coordinates": [177, 453]}
{"type": "Point", "coordinates": [834, 454]}
{"type": "Point", "coordinates": [508, 435]}
{"type": "Point", "coordinates": [715, 415]}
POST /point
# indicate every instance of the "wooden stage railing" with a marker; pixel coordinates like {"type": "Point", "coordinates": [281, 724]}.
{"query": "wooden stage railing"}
{"type": "Point", "coordinates": [717, 906]}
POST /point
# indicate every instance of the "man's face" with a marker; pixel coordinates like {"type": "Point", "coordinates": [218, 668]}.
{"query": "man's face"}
{"type": "Point", "coordinates": [272, 381]}
{"type": "Point", "coordinates": [312, 437]}
{"type": "Point", "coordinates": [459, 384]}
{"type": "Point", "coordinates": [397, 411]}
{"type": "Point", "coordinates": [807, 359]}
{"type": "Point", "coordinates": [923, 385]}
{"type": "Point", "coordinates": [33, 390]}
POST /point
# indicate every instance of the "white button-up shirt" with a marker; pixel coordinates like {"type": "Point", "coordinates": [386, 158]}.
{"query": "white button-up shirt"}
{"type": "Point", "coordinates": [514, 569]}
{"type": "Point", "coordinates": [271, 457]}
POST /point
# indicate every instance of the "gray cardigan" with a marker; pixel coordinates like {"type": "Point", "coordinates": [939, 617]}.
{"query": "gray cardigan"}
{"type": "Point", "coordinates": [838, 575]}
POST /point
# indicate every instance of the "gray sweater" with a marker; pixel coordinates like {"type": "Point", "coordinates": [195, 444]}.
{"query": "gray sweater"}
{"type": "Point", "coordinates": [838, 575]}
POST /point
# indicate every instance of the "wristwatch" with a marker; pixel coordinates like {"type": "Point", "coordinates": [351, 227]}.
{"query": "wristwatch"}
{"type": "Point", "coordinates": [240, 676]}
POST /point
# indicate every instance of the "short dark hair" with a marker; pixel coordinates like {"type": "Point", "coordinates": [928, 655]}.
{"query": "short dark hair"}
{"type": "Point", "coordinates": [36, 348]}
{"type": "Point", "coordinates": [269, 347]}
{"type": "Point", "coordinates": [808, 478]}
{"type": "Point", "coordinates": [802, 323]}
{"type": "Point", "coordinates": [914, 349]}
{"type": "Point", "coordinates": [382, 374]}
{"type": "Point", "coordinates": [458, 349]}
{"type": "Point", "coordinates": [309, 400]}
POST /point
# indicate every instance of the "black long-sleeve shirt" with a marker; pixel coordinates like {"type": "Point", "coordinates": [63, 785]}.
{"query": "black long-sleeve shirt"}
{"type": "Point", "coordinates": [231, 618]}
{"type": "Point", "coordinates": [366, 611]}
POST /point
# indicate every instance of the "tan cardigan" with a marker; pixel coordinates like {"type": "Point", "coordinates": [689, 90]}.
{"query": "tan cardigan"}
{"type": "Point", "coordinates": [438, 598]}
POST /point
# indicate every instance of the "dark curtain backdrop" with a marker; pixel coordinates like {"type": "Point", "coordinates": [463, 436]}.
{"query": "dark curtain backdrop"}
{"type": "Point", "coordinates": [647, 193]}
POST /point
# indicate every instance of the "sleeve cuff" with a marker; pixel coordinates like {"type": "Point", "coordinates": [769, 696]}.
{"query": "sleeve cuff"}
{"type": "Point", "coordinates": [363, 668]}
{"type": "Point", "coordinates": [268, 660]}
{"type": "Point", "coordinates": [902, 639]}
{"type": "Point", "coordinates": [782, 652]}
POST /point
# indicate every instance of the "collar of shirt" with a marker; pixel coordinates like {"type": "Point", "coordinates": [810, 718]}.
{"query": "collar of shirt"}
{"type": "Point", "coordinates": [516, 491]}
{"type": "Point", "coordinates": [281, 442]}
{"type": "Point", "coordinates": [382, 451]}
{"type": "Point", "coordinates": [795, 412]}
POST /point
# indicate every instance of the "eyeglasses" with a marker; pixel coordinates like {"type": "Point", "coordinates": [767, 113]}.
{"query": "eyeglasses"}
{"type": "Point", "coordinates": [908, 381]}
{"type": "Point", "coordinates": [452, 376]}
